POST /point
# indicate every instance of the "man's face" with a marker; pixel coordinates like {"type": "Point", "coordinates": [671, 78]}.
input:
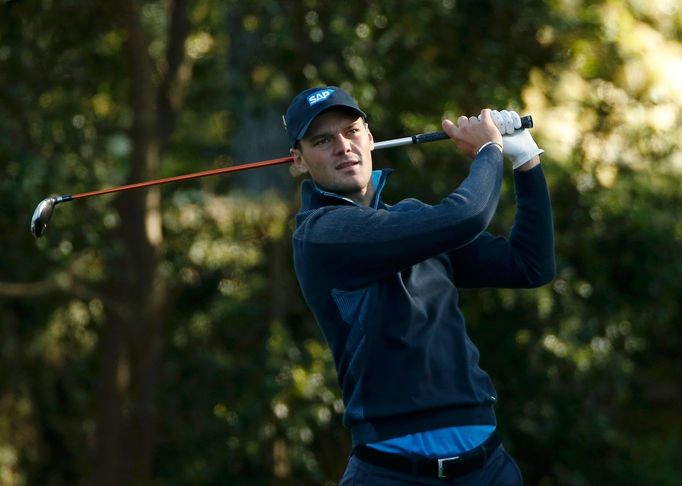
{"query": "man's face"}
{"type": "Point", "coordinates": [337, 152]}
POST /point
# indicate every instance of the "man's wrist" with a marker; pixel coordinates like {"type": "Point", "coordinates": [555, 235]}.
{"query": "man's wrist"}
{"type": "Point", "coordinates": [530, 164]}
{"type": "Point", "coordinates": [491, 142]}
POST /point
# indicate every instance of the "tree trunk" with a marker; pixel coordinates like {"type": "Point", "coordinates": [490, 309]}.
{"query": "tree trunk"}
{"type": "Point", "coordinates": [131, 341]}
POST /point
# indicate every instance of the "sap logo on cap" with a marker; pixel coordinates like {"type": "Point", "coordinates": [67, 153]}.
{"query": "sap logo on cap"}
{"type": "Point", "coordinates": [318, 96]}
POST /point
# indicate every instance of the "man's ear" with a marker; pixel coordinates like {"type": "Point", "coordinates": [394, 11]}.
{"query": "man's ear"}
{"type": "Point", "coordinates": [371, 137]}
{"type": "Point", "coordinates": [299, 164]}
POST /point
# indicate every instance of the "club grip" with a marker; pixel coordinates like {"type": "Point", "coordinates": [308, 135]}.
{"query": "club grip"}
{"type": "Point", "coordinates": [526, 122]}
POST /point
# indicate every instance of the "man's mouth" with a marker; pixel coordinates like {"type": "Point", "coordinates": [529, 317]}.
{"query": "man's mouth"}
{"type": "Point", "coordinates": [346, 164]}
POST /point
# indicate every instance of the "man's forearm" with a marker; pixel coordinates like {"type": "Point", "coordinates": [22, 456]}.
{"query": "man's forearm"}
{"type": "Point", "coordinates": [533, 234]}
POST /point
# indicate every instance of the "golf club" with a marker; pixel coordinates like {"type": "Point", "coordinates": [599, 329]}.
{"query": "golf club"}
{"type": "Point", "coordinates": [43, 212]}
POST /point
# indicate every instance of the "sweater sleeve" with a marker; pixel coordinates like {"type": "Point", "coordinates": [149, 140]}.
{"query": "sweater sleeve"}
{"type": "Point", "coordinates": [523, 260]}
{"type": "Point", "coordinates": [358, 245]}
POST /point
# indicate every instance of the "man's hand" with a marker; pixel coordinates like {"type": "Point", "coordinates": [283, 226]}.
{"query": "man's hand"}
{"type": "Point", "coordinates": [521, 148]}
{"type": "Point", "coordinates": [519, 145]}
{"type": "Point", "coordinates": [470, 134]}
{"type": "Point", "coordinates": [506, 121]}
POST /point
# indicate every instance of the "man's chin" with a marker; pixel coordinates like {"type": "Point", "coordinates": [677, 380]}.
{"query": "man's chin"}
{"type": "Point", "coordinates": [353, 187]}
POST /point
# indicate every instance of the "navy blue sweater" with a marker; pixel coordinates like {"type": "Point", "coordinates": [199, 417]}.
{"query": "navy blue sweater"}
{"type": "Point", "coordinates": [382, 283]}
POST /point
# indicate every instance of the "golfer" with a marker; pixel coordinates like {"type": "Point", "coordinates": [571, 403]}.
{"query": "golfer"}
{"type": "Point", "coordinates": [382, 282]}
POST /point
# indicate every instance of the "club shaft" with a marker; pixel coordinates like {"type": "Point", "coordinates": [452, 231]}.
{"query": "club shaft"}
{"type": "Point", "coordinates": [186, 177]}
{"type": "Point", "coordinates": [527, 122]}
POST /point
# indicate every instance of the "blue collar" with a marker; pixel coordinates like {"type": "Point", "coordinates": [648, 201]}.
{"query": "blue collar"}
{"type": "Point", "coordinates": [379, 178]}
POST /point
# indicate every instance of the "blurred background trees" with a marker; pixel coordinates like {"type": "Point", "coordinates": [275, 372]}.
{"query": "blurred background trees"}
{"type": "Point", "coordinates": [158, 337]}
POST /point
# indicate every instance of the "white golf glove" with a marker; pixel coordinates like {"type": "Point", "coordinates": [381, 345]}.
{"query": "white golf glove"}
{"type": "Point", "coordinates": [506, 121]}
{"type": "Point", "coordinates": [519, 145]}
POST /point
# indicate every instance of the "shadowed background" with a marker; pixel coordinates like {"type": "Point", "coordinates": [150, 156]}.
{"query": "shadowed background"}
{"type": "Point", "coordinates": [159, 337]}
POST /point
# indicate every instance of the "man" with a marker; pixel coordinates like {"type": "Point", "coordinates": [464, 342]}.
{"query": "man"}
{"type": "Point", "coordinates": [382, 283]}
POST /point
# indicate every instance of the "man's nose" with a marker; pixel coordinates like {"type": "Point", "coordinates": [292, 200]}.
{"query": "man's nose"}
{"type": "Point", "coordinates": [341, 144]}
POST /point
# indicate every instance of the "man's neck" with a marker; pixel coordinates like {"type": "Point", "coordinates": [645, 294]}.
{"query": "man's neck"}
{"type": "Point", "coordinates": [364, 198]}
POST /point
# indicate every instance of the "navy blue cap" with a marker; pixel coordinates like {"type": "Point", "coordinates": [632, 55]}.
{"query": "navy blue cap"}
{"type": "Point", "coordinates": [308, 104]}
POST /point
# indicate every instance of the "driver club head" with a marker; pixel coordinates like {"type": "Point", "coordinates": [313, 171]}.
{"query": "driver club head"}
{"type": "Point", "coordinates": [42, 215]}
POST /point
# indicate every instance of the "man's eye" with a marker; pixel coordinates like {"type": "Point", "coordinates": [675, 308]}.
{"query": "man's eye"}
{"type": "Point", "coordinates": [320, 141]}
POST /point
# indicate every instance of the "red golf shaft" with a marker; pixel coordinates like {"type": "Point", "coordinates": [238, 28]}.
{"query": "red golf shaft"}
{"type": "Point", "coordinates": [186, 177]}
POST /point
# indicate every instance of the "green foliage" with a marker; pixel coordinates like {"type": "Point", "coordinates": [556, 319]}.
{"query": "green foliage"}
{"type": "Point", "coordinates": [243, 389]}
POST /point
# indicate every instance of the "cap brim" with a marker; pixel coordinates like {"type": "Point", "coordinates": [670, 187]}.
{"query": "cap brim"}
{"type": "Point", "coordinates": [302, 132]}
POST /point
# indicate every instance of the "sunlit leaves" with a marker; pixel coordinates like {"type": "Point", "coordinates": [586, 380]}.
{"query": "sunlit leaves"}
{"type": "Point", "coordinates": [199, 45]}
{"type": "Point", "coordinates": [69, 335]}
